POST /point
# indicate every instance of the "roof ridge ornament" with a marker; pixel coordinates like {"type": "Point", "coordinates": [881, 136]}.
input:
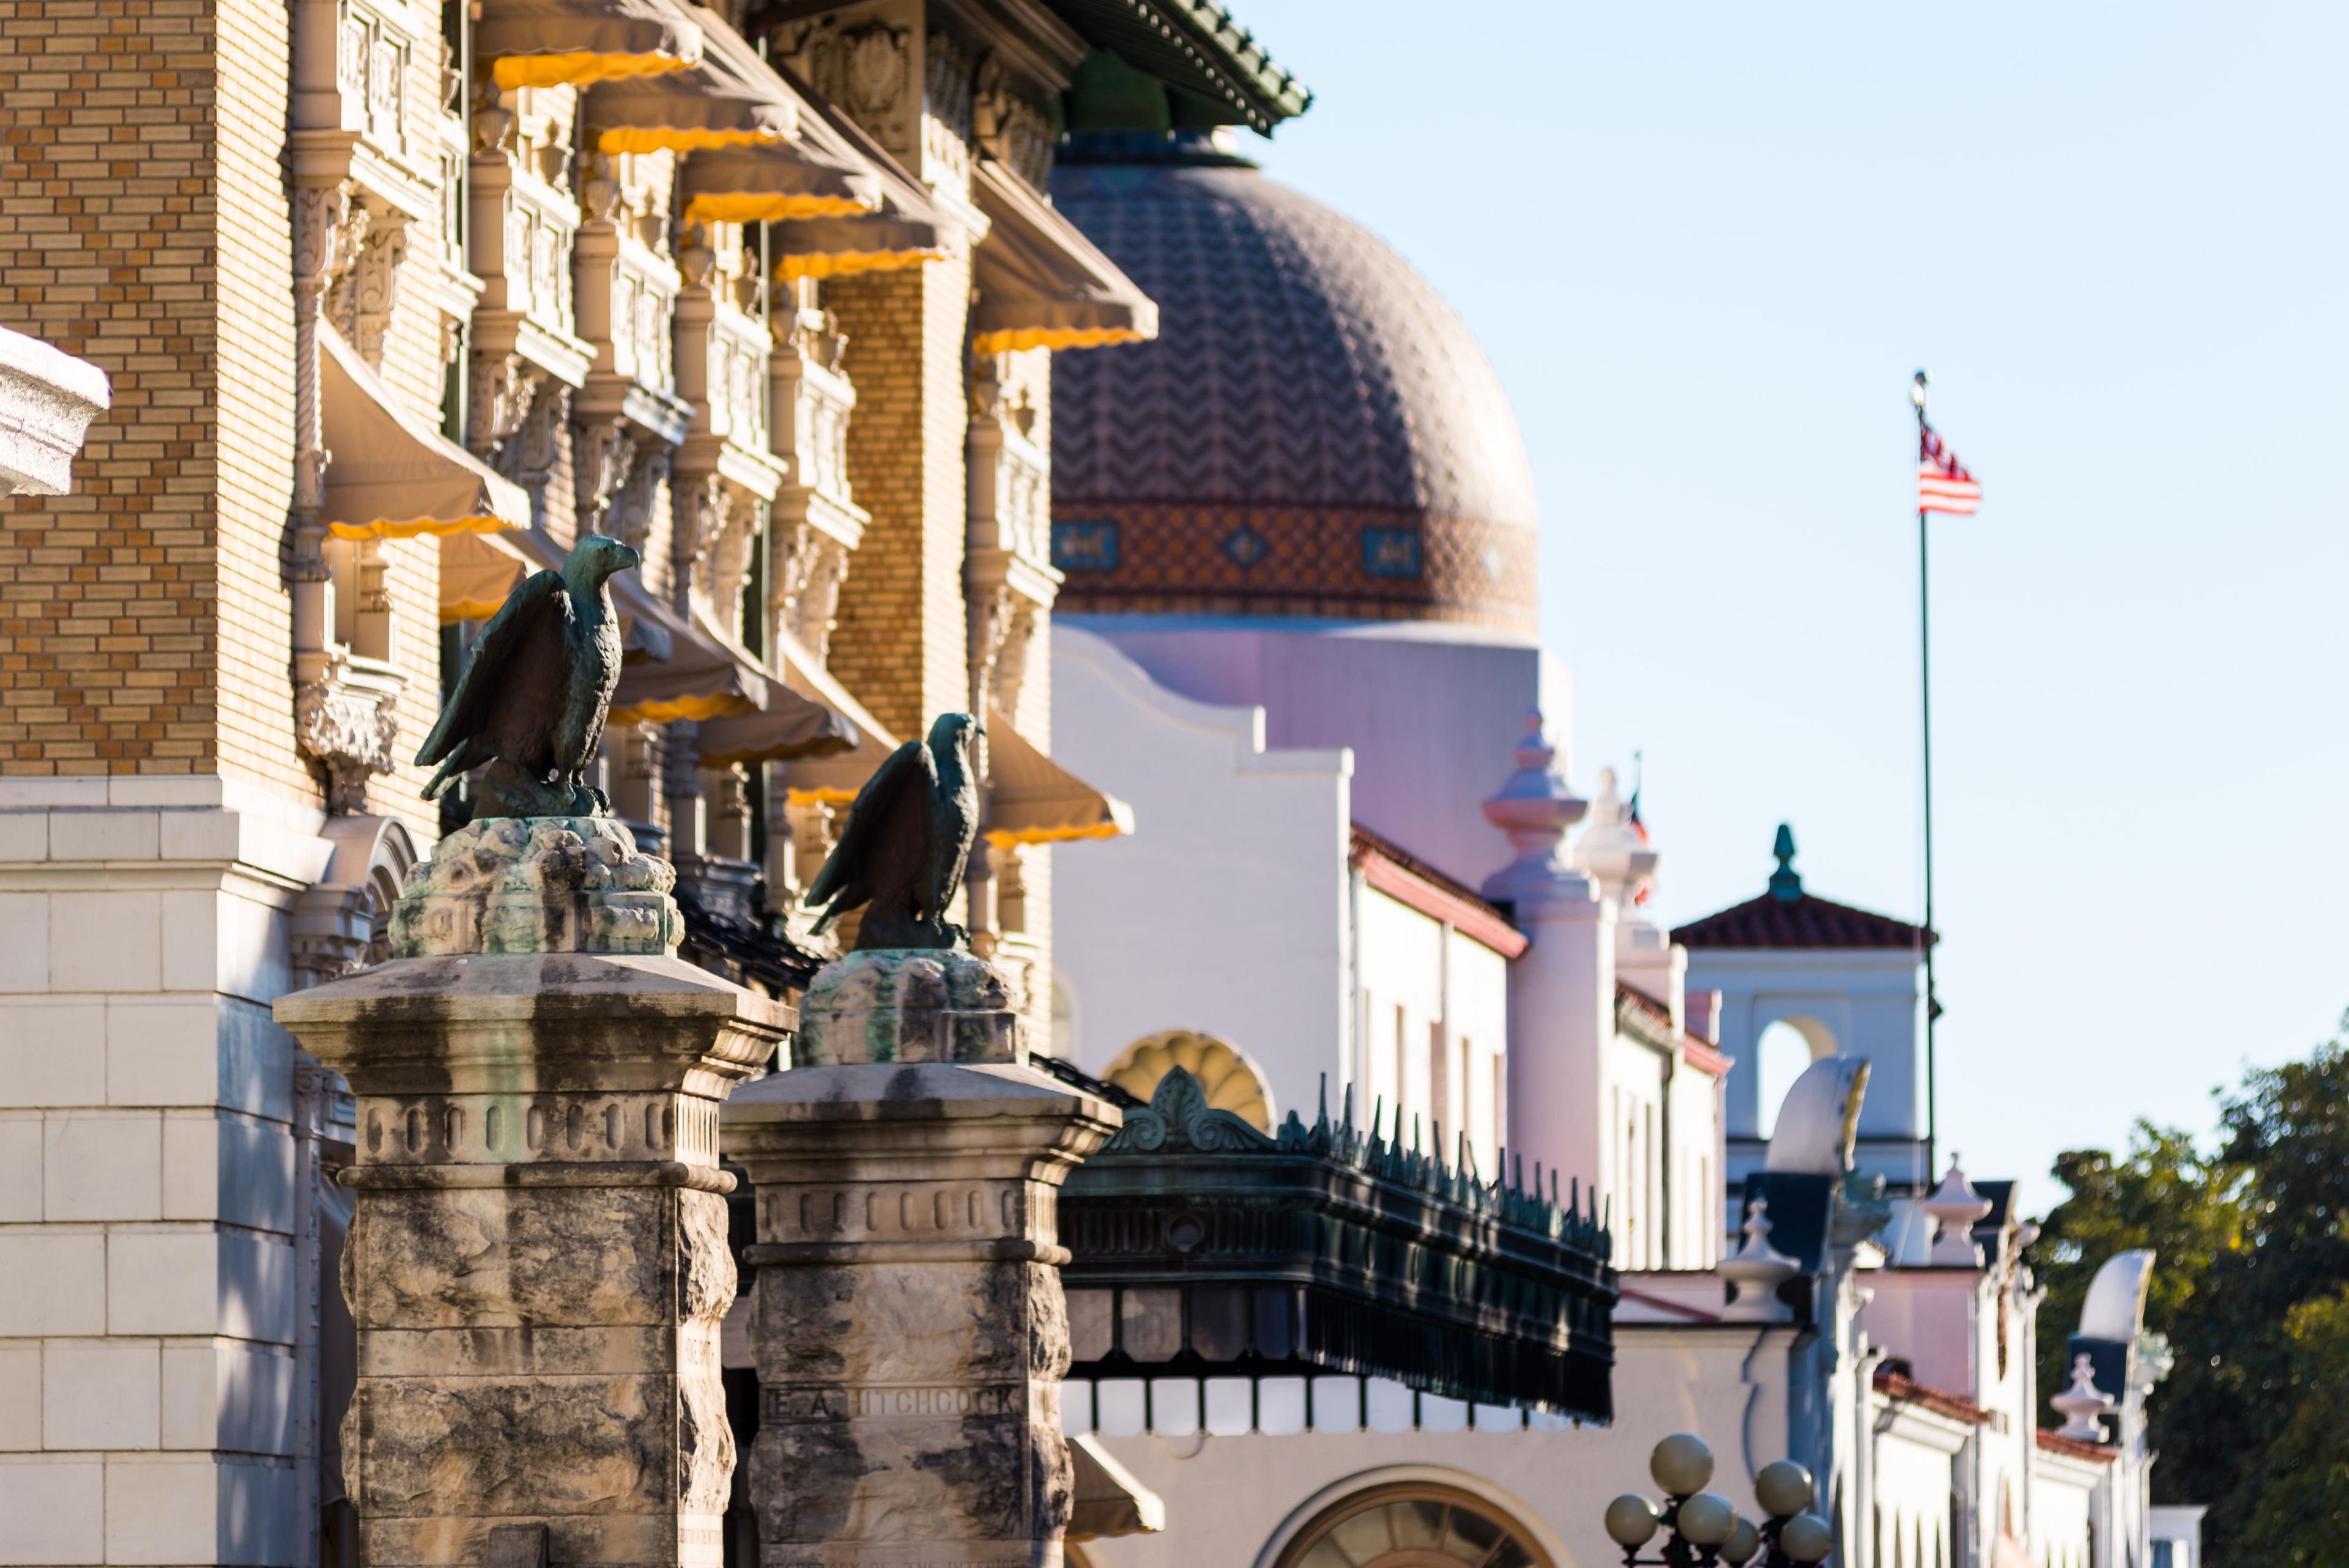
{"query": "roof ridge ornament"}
{"type": "Point", "coordinates": [1785, 883]}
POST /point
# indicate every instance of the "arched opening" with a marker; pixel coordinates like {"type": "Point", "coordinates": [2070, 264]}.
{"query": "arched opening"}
{"type": "Point", "coordinates": [1228, 1079]}
{"type": "Point", "coordinates": [1411, 1524]}
{"type": "Point", "coordinates": [1781, 1055]}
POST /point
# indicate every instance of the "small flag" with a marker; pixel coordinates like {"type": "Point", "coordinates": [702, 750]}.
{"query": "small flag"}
{"type": "Point", "coordinates": [1942, 482]}
{"type": "Point", "coordinates": [1647, 888]}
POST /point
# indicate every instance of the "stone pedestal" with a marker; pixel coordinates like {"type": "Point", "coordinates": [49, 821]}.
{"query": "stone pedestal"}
{"type": "Point", "coordinates": [537, 1263]}
{"type": "Point", "coordinates": [909, 1328]}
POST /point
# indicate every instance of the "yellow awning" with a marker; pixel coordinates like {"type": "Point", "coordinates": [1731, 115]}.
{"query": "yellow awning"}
{"type": "Point", "coordinates": [475, 577]}
{"type": "Point", "coordinates": [554, 43]}
{"type": "Point", "coordinates": [1108, 1499]}
{"type": "Point", "coordinates": [701, 678]}
{"type": "Point", "coordinates": [791, 726]}
{"type": "Point", "coordinates": [390, 474]}
{"type": "Point", "coordinates": [730, 97]}
{"type": "Point", "coordinates": [906, 228]}
{"type": "Point", "coordinates": [774, 184]}
{"type": "Point", "coordinates": [1032, 800]}
{"type": "Point", "coordinates": [1040, 282]}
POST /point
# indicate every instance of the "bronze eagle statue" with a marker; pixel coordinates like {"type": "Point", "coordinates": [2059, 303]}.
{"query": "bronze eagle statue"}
{"type": "Point", "coordinates": [907, 839]}
{"type": "Point", "coordinates": [531, 700]}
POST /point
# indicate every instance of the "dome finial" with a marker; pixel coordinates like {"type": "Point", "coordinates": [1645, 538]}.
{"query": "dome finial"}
{"type": "Point", "coordinates": [1785, 883]}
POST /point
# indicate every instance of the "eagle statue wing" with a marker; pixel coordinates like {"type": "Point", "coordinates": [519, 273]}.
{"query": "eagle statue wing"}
{"type": "Point", "coordinates": [846, 879]}
{"type": "Point", "coordinates": [523, 616]}
{"type": "Point", "coordinates": [954, 828]}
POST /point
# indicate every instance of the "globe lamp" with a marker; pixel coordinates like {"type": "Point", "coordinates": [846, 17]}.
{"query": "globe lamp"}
{"type": "Point", "coordinates": [1784, 1489]}
{"type": "Point", "coordinates": [1742, 1544]}
{"type": "Point", "coordinates": [1681, 1464]}
{"type": "Point", "coordinates": [1806, 1538]}
{"type": "Point", "coordinates": [1631, 1520]}
{"type": "Point", "coordinates": [1708, 1519]}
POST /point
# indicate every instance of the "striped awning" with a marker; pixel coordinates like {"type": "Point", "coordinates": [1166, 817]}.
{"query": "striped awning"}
{"type": "Point", "coordinates": [700, 679]}
{"type": "Point", "coordinates": [1032, 800]}
{"type": "Point", "coordinates": [730, 98]}
{"type": "Point", "coordinates": [1040, 282]}
{"type": "Point", "coordinates": [557, 43]}
{"type": "Point", "coordinates": [390, 474]}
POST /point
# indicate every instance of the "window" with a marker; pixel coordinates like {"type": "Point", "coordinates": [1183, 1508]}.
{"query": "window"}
{"type": "Point", "coordinates": [1410, 1525]}
{"type": "Point", "coordinates": [1439, 1081]}
{"type": "Point", "coordinates": [1401, 1068]}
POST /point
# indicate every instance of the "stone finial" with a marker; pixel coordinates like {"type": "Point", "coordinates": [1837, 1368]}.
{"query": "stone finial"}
{"type": "Point", "coordinates": [1785, 883]}
{"type": "Point", "coordinates": [1957, 1208]}
{"type": "Point", "coordinates": [2084, 1406]}
{"type": "Point", "coordinates": [1757, 1269]}
{"type": "Point", "coordinates": [1611, 851]}
{"type": "Point", "coordinates": [1535, 809]}
{"type": "Point", "coordinates": [537, 884]}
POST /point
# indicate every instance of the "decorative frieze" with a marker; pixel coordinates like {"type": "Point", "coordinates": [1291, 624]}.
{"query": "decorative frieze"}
{"type": "Point", "coordinates": [865, 67]}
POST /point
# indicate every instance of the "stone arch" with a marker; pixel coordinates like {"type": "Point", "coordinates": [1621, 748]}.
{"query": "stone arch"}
{"type": "Point", "coordinates": [1230, 1080]}
{"type": "Point", "coordinates": [342, 923]}
{"type": "Point", "coordinates": [1411, 1517]}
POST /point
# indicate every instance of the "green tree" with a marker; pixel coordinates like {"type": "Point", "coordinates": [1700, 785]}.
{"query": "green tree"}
{"type": "Point", "coordinates": [2251, 1286]}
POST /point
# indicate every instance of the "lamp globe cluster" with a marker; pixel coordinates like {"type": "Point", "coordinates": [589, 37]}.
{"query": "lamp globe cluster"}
{"type": "Point", "coordinates": [1704, 1528]}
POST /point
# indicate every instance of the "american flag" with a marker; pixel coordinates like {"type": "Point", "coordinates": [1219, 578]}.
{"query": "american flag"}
{"type": "Point", "coordinates": [1942, 482]}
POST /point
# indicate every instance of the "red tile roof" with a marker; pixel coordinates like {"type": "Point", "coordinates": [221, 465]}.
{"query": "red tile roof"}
{"type": "Point", "coordinates": [2058, 1443]}
{"type": "Point", "coordinates": [1698, 1053]}
{"type": "Point", "coordinates": [1413, 883]}
{"type": "Point", "coordinates": [1893, 1385]}
{"type": "Point", "coordinates": [1803, 920]}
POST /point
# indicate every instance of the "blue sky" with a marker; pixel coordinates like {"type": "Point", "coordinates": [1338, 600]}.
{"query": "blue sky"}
{"type": "Point", "coordinates": [1705, 245]}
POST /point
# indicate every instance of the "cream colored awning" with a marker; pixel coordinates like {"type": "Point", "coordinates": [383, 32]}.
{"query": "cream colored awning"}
{"type": "Point", "coordinates": [1032, 800]}
{"type": "Point", "coordinates": [1109, 1499]}
{"type": "Point", "coordinates": [792, 726]}
{"type": "Point", "coordinates": [553, 43]}
{"type": "Point", "coordinates": [1040, 282]}
{"type": "Point", "coordinates": [730, 97]}
{"type": "Point", "coordinates": [906, 228]}
{"type": "Point", "coordinates": [390, 474]}
{"type": "Point", "coordinates": [700, 679]}
{"type": "Point", "coordinates": [476, 575]}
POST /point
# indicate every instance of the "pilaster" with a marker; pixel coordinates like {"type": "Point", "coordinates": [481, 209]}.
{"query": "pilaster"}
{"type": "Point", "coordinates": [537, 1264]}
{"type": "Point", "coordinates": [910, 1331]}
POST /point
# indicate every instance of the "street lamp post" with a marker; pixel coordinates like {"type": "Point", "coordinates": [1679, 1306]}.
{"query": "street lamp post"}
{"type": "Point", "coordinates": [1705, 1529]}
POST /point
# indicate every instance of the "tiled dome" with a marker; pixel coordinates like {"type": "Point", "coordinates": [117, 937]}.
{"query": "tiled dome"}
{"type": "Point", "coordinates": [1313, 433]}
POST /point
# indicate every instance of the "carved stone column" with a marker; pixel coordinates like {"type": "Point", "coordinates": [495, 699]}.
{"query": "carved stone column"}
{"type": "Point", "coordinates": [537, 1263]}
{"type": "Point", "coordinates": [910, 1332]}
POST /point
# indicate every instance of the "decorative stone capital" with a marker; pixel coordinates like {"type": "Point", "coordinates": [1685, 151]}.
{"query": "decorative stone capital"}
{"type": "Point", "coordinates": [538, 884]}
{"type": "Point", "coordinates": [910, 1005]}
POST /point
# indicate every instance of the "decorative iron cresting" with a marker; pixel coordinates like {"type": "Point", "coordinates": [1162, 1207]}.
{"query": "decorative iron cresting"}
{"type": "Point", "coordinates": [1201, 1247]}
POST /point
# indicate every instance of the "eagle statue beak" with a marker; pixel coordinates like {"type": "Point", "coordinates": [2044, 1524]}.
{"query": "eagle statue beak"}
{"type": "Point", "coordinates": [629, 557]}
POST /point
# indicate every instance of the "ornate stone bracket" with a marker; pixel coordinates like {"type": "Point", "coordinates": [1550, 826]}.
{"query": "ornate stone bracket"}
{"type": "Point", "coordinates": [348, 720]}
{"type": "Point", "coordinates": [807, 588]}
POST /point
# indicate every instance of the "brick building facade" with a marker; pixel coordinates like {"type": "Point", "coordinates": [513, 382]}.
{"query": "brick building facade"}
{"type": "Point", "coordinates": [398, 302]}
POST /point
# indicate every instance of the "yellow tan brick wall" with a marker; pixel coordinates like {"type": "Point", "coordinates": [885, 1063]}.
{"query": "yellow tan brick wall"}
{"type": "Point", "coordinates": [113, 225]}
{"type": "Point", "coordinates": [901, 645]}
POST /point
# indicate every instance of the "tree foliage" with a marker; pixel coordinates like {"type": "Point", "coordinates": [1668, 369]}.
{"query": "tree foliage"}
{"type": "Point", "coordinates": [2251, 1284]}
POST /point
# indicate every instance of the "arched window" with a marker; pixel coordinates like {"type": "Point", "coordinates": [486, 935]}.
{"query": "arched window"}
{"type": "Point", "coordinates": [1230, 1082]}
{"type": "Point", "coordinates": [1781, 1055]}
{"type": "Point", "coordinates": [1411, 1525]}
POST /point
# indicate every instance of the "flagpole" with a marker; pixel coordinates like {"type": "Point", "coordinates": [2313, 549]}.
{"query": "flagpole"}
{"type": "Point", "coordinates": [1925, 682]}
